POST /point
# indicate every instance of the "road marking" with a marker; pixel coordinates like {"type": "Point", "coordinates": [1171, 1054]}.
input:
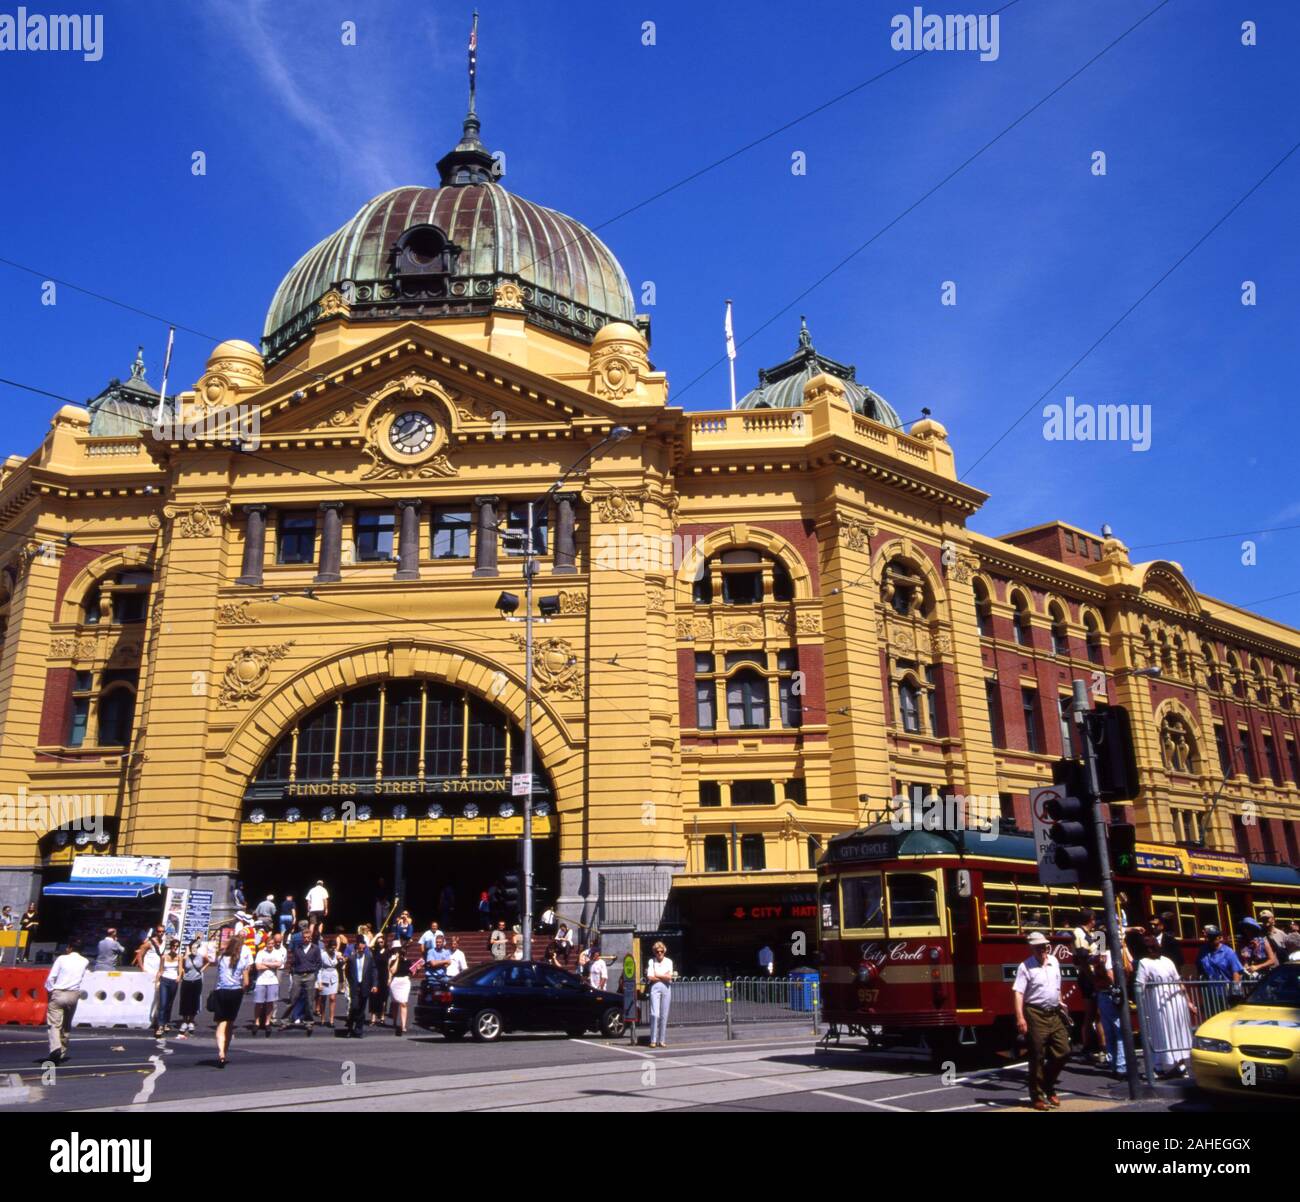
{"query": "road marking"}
{"type": "Point", "coordinates": [147, 1085]}
{"type": "Point", "coordinates": [843, 1097]}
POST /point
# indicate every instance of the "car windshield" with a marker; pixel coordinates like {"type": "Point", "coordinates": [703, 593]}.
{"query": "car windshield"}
{"type": "Point", "coordinates": [1280, 988]}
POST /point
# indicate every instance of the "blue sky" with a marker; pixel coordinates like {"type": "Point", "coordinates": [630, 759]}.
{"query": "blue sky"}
{"type": "Point", "coordinates": [299, 130]}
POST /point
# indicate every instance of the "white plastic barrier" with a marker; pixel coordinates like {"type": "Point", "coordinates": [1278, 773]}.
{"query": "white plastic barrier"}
{"type": "Point", "coordinates": [115, 999]}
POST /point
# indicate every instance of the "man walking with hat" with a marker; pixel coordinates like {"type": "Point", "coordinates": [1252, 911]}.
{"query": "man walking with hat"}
{"type": "Point", "coordinates": [1041, 1019]}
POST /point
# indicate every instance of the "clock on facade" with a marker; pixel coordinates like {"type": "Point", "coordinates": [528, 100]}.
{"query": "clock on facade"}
{"type": "Point", "coordinates": [411, 432]}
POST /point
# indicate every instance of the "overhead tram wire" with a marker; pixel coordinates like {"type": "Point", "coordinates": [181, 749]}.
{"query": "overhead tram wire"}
{"type": "Point", "coordinates": [1065, 375]}
{"type": "Point", "coordinates": [844, 262]}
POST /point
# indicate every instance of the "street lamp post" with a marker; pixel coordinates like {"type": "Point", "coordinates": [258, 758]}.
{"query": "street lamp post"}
{"type": "Point", "coordinates": [617, 434]}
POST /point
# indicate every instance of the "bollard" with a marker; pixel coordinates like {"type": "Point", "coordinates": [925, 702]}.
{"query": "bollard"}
{"type": "Point", "coordinates": [726, 1007]}
{"type": "Point", "coordinates": [816, 1003]}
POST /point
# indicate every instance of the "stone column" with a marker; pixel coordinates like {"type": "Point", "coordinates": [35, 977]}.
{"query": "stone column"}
{"type": "Point", "coordinates": [485, 544]}
{"type": "Point", "coordinates": [254, 545]}
{"type": "Point", "coordinates": [566, 544]}
{"type": "Point", "coordinates": [408, 548]}
{"type": "Point", "coordinates": [331, 543]}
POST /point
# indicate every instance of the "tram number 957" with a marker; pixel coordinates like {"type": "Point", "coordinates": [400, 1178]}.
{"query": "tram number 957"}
{"type": "Point", "coordinates": [867, 997]}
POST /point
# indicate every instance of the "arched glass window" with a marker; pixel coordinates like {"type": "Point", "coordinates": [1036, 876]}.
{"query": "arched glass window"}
{"type": "Point", "coordinates": [116, 712]}
{"type": "Point", "coordinates": [747, 701]}
{"type": "Point", "coordinates": [1020, 620]}
{"type": "Point", "coordinates": [909, 710]}
{"type": "Point", "coordinates": [983, 609]}
{"type": "Point", "coordinates": [1060, 633]}
{"type": "Point", "coordinates": [904, 588]}
{"type": "Point", "coordinates": [1092, 639]}
{"type": "Point", "coordinates": [782, 585]}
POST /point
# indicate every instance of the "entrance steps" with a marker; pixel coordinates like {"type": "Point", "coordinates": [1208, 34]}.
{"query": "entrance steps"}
{"type": "Point", "coordinates": [478, 951]}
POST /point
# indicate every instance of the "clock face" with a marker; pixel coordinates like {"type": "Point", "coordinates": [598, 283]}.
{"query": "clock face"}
{"type": "Point", "coordinates": [411, 432]}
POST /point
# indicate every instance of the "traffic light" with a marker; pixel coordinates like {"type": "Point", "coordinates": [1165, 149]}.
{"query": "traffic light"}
{"type": "Point", "coordinates": [1075, 838]}
{"type": "Point", "coordinates": [1116, 762]}
{"type": "Point", "coordinates": [1123, 846]}
{"type": "Point", "coordinates": [510, 892]}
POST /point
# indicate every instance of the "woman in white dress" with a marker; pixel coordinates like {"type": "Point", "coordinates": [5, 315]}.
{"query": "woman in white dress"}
{"type": "Point", "coordinates": [327, 982]}
{"type": "Point", "coordinates": [399, 986]}
{"type": "Point", "coordinates": [1168, 1014]}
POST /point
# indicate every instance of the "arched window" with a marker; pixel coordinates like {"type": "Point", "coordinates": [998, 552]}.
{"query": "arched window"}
{"type": "Point", "coordinates": [909, 708]}
{"type": "Point", "coordinates": [1092, 638]}
{"type": "Point", "coordinates": [1020, 620]}
{"type": "Point", "coordinates": [904, 588]}
{"type": "Point", "coordinates": [1282, 688]}
{"type": "Point", "coordinates": [747, 700]}
{"type": "Point", "coordinates": [1060, 633]}
{"type": "Point", "coordinates": [983, 609]}
{"type": "Point", "coordinates": [1234, 674]}
{"type": "Point", "coordinates": [92, 608]}
{"type": "Point", "coordinates": [1178, 745]}
{"type": "Point", "coordinates": [1213, 680]}
{"type": "Point", "coordinates": [743, 576]}
{"type": "Point", "coordinates": [116, 713]}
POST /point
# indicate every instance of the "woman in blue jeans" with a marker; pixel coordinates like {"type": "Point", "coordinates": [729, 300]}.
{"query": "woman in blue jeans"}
{"type": "Point", "coordinates": [1103, 980]}
{"type": "Point", "coordinates": [167, 981]}
{"type": "Point", "coordinates": [659, 976]}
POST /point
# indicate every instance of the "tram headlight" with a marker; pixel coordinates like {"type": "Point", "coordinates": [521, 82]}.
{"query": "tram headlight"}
{"type": "Point", "coordinates": [507, 809]}
{"type": "Point", "coordinates": [257, 816]}
{"type": "Point", "coordinates": [293, 814]}
{"type": "Point", "coordinates": [471, 809]}
{"type": "Point", "coordinates": [934, 955]}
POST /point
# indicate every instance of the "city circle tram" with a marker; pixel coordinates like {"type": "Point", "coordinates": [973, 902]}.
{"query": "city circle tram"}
{"type": "Point", "coordinates": [921, 931]}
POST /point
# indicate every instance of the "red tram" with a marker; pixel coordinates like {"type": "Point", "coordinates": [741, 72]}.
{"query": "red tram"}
{"type": "Point", "coordinates": [922, 930]}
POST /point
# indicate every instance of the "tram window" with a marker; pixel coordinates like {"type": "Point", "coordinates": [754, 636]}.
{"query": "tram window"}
{"type": "Point", "coordinates": [1033, 917]}
{"type": "Point", "coordinates": [862, 898]}
{"type": "Point", "coordinates": [1001, 916]}
{"type": "Point", "coordinates": [913, 900]}
{"type": "Point", "coordinates": [830, 915]}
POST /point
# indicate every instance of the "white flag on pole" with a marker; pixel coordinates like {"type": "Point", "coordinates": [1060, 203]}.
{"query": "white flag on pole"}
{"type": "Point", "coordinates": [167, 366]}
{"type": "Point", "coordinates": [731, 336]}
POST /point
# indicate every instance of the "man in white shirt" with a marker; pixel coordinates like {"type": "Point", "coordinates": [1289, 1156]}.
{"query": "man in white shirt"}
{"type": "Point", "coordinates": [266, 986]}
{"type": "Point", "coordinates": [318, 903]}
{"type": "Point", "coordinates": [598, 972]}
{"type": "Point", "coordinates": [1041, 1019]}
{"type": "Point", "coordinates": [63, 984]}
{"type": "Point", "coordinates": [429, 938]}
{"type": "Point", "coordinates": [457, 963]}
{"type": "Point", "coordinates": [766, 960]}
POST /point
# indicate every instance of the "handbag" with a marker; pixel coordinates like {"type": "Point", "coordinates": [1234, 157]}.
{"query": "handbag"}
{"type": "Point", "coordinates": [211, 1004]}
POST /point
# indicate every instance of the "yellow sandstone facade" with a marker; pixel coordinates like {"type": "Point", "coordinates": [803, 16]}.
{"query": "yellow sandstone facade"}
{"type": "Point", "coordinates": [768, 621]}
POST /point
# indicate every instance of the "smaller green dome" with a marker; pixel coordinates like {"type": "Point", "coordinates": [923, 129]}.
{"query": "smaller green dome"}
{"type": "Point", "coordinates": [781, 387]}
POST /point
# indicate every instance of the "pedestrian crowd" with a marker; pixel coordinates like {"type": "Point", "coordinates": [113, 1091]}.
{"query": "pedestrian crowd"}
{"type": "Point", "coordinates": [1156, 970]}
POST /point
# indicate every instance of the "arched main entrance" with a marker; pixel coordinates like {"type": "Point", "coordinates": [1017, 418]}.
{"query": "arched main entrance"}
{"type": "Point", "coordinates": [398, 788]}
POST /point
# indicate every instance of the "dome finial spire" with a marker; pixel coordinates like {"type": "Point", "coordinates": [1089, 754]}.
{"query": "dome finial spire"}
{"type": "Point", "coordinates": [137, 368]}
{"type": "Point", "coordinates": [470, 162]}
{"type": "Point", "coordinates": [805, 338]}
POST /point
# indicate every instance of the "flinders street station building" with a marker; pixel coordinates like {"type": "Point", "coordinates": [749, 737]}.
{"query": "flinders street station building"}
{"type": "Point", "coordinates": [259, 631]}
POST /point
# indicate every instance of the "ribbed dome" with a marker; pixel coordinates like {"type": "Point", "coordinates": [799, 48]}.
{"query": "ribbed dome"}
{"type": "Point", "coordinates": [781, 387]}
{"type": "Point", "coordinates": [565, 271]}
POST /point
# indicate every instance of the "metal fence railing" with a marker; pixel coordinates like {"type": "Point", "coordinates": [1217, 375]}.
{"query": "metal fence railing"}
{"type": "Point", "coordinates": [640, 901]}
{"type": "Point", "coordinates": [719, 1001]}
{"type": "Point", "coordinates": [1169, 1012]}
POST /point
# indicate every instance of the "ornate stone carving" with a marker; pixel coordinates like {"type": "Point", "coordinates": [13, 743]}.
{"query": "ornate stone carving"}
{"type": "Point", "coordinates": [235, 614]}
{"type": "Point", "coordinates": [617, 364]}
{"type": "Point", "coordinates": [808, 622]}
{"type": "Point", "coordinates": [572, 601]}
{"type": "Point", "coordinates": [964, 569]}
{"type": "Point", "coordinates": [684, 627]}
{"type": "Point", "coordinates": [344, 415]}
{"type": "Point", "coordinates": [508, 296]}
{"type": "Point", "coordinates": [334, 304]}
{"type": "Point", "coordinates": [703, 628]}
{"type": "Point", "coordinates": [940, 643]}
{"type": "Point", "coordinates": [198, 521]}
{"type": "Point", "coordinates": [73, 649]}
{"type": "Point", "coordinates": [655, 600]}
{"type": "Point", "coordinates": [248, 671]}
{"type": "Point", "coordinates": [744, 632]}
{"type": "Point", "coordinates": [125, 653]}
{"type": "Point", "coordinates": [618, 505]}
{"type": "Point", "coordinates": [857, 536]}
{"type": "Point", "coordinates": [555, 668]}
{"type": "Point", "coordinates": [382, 468]}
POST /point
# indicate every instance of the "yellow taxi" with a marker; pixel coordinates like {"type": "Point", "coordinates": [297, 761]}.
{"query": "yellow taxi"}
{"type": "Point", "coordinates": [1254, 1047]}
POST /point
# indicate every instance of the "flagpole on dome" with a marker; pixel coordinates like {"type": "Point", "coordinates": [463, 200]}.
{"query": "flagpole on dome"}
{"type": "Point", "coordinates": [167, 365]}
{"type": "Point", "coordinates": [731, 352]}
{"type": "Point", "coordinates": [473, 60]}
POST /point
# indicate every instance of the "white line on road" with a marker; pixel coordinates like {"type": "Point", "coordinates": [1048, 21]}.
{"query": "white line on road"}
{"type": "Point", "coordinates": [147, 1085]}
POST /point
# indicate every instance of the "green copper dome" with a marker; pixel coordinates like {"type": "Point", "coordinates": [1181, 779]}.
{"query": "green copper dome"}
{"type": "Point", "coordinates": [781, 387]}
{"type": "Point", "coordinates": [428, 252]}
